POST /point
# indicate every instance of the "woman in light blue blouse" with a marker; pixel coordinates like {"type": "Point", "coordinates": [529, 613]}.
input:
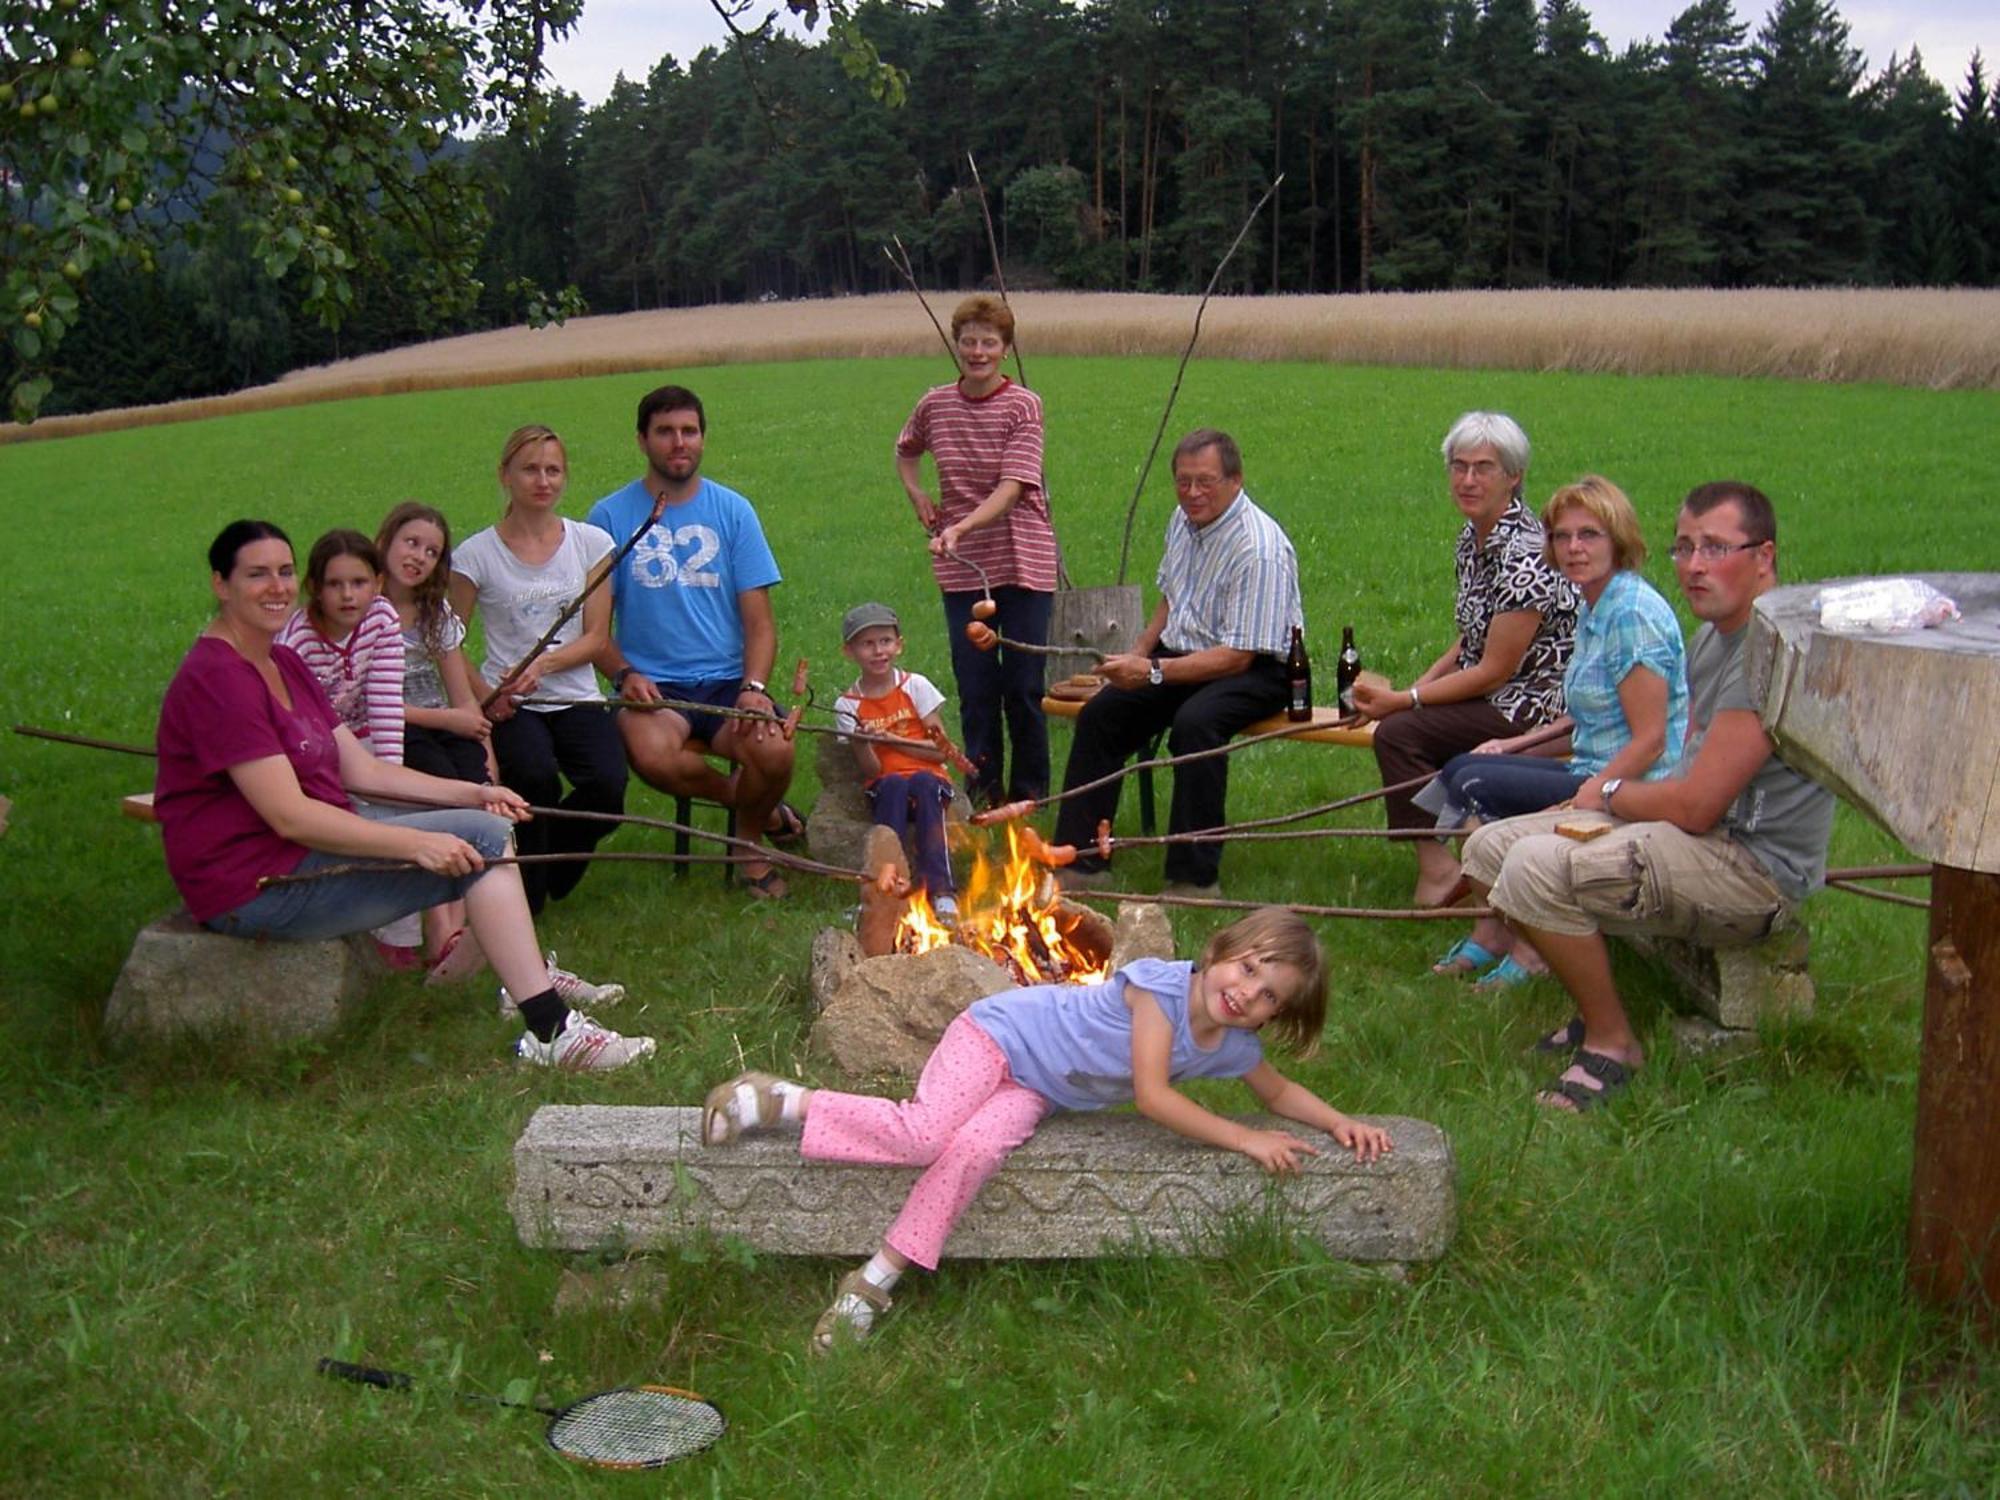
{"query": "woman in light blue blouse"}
{"type": "Point", "coordinates": [1625, 701]}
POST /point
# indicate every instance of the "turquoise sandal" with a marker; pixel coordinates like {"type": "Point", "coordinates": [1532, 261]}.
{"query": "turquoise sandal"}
{"type": "Point", "coordinates": [1466, 957]}
{"type": "Point", "coordinates": [1503, 976]}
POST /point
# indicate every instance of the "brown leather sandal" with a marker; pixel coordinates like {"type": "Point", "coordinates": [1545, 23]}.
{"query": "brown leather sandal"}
{"type": "Point", "coordinates": [835, 1327]}
{"type": "Point", "coordinates": [719, 1126]}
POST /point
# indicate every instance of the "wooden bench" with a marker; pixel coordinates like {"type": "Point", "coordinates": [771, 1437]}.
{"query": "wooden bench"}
{"type": "Point", "coordinates": [1327, 729]}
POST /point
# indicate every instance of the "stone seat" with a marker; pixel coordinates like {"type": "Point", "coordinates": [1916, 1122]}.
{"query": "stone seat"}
{"type": "Point", "coordinates": [180, 977]}
{"type": "Point", "coordinates": [1725, 992]}
{"type": "Point", "coordinates": [586, 1176]}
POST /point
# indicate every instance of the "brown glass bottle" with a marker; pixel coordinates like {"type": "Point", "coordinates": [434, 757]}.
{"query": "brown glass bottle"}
{"type": "Point", "coordinates": [1346, 669]}
{"type": "Point", "coordinates": [1299, 673]}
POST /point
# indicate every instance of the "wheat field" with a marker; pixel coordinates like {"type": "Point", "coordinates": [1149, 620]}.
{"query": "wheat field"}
{"type": "Point", "coordinates": [1931, 339]}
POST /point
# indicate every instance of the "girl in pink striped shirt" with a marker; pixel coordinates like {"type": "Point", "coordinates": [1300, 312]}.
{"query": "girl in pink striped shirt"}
{"type": "Point", "coordinates": [351, 639]}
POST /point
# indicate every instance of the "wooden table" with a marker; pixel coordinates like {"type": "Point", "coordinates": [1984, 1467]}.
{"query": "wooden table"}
{"type": "Point", "coordinates": [1326, 729]}
{"type": "Point", "coordinates": [1906, 727]}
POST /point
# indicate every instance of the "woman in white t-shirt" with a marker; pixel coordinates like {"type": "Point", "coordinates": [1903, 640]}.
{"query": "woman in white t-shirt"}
{"type": "Point", "coordinates": [522, 574]}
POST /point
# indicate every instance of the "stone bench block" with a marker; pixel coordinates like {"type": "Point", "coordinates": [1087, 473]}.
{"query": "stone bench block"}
{"type": "Point", "coordinates": [587, 1176]}
{"type": "Point", "coordinates": [182, 977]}
{"type": "Point", "coordinates": [1738, 987]}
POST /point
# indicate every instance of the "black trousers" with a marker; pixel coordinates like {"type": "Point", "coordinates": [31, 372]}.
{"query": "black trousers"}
{"type": "Point", "coordinates": [438, 752]}
{"type": "Point", "coordinates": [536, 751]}
{"type": "Point", "coordinates": [1002, 686]}
{"type": "Point", "coordinates": [1199, 716]}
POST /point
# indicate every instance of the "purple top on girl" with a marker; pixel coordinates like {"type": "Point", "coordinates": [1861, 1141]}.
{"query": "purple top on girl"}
{"type": "Point", "coordinates": [1072, 1044]}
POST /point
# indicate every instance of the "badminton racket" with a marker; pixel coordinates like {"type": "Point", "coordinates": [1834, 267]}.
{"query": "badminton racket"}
{"type": "Point", "coordinates": [632, 1427]}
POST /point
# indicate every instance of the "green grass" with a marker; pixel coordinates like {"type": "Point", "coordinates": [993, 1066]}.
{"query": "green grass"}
{"type": "Point", "coordinates": [1703, 1291]}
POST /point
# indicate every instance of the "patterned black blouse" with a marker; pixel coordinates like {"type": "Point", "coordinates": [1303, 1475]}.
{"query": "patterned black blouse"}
{"type": "Point", "coordinates": [1508, 574]}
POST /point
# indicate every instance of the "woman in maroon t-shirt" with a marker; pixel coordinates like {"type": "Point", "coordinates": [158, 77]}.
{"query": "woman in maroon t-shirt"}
{"type": "Point", "coordinates": [254, 774]}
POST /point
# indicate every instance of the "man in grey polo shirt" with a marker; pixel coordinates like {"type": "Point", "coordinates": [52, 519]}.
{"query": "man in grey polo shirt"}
{"type": "Point", "coordinates": [1719, 854]}
{"type": "Point", "coordinates": [1208, 662]}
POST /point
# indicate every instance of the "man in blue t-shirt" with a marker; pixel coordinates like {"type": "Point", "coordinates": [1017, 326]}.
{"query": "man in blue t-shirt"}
{"type": "Point", "coordinates": [692, 623]}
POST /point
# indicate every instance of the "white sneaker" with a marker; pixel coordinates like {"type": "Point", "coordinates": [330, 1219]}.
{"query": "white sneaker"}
{"type": "Point", "coordinates": [583, 1046]}
{"type": "Point", "coordinates": [573, 990]}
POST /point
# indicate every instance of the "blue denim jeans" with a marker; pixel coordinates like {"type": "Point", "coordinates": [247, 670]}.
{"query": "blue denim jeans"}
{"type": "Point", "coordinates": [340, 904]}
{"type": "Point", "coordinates": [1491, 787]}
{"type": "Point", "coordinates": [913, 805]}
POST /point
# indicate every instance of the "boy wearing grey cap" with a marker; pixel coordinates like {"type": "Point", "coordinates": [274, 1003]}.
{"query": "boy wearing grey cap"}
{"type": "Point", "coordinates": [908, 788]}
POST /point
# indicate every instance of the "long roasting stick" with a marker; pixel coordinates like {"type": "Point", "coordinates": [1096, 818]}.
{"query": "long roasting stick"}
{"type": "Point", "coordinates": [1167, 411]}
{"type": "Point", "coordinates": [1838, 879]}
{"type": "Point", "coordinates": [679, 705]}
{"type": "Point", "coordinates": [993, 247]}
{"type": "Point", "coordinates": [909, 275]}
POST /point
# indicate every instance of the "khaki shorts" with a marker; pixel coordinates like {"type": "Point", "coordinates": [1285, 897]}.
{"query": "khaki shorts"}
{"type": "Point", "coordinates": [1639, 877]}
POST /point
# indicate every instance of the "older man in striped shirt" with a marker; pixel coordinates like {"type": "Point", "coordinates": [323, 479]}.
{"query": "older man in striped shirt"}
{"type": "Point", "coordinates": [1209, 661]}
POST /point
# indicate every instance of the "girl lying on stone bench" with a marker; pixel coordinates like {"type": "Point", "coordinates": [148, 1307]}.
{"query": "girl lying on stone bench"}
{"type": "Point", "coordinates": [1013, 1057]}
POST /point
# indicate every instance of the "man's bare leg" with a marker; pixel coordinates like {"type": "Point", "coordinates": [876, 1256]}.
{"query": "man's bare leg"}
{"type": "Point", "coordinates": [656, 745]}
{"type": "Point", "coordinates": [763, 759]}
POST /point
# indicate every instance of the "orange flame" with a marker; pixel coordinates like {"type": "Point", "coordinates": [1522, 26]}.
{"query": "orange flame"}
{"type": "Point", "coordinates": [1011, 914]}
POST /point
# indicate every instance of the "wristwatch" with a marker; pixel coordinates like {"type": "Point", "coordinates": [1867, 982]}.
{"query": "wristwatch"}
{"type": "Point", "coordinates": [1610, 790]}
{"type": "Point", "coordinates": [1155, 673]}
{"type": "Point", "coordinates": [618, 677]}
{"type": "Point", "coordinates": [752, 685]}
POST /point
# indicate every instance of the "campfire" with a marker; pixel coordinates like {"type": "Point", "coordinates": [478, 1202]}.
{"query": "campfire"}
{"type": "Point", "coordinates": [1013, 913]}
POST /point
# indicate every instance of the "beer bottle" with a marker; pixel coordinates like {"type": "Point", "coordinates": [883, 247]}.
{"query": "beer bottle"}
{"type": "Point", "coordinates": [1298, 671]}
{"type": "Point", "coordinates": [1346, 670]}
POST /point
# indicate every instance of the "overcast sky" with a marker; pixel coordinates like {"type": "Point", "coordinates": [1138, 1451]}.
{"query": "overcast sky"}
{"type": "Point", "coordinates": [633, 35]}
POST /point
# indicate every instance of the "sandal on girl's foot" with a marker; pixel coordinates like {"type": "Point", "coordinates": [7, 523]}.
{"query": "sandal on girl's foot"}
{"type": "Point", "coordinates": [748, 1101]}
{"type": "Point", "coordinates": [459, 959]}
{"type": "Point", "coordinates": [1465, 958]}
{"type": "Point", "coordinates": [770, 886]}
{"type": "Point", "coordinates": [857, 1303]}
{"type": "Point", "coordinates": [787, 826]}
{"type": "Point", "coordinates": [1611, 1074]}
{"type": "Point", "coordinates": [1568, 1039]}
{"type": "Point", "coordinates": [1503, 976]}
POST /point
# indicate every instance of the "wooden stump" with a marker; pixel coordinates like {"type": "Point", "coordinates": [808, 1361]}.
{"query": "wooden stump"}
{"type": "Point", "coordinates": [1955, 1187]}
{"type": "Point", "coordinates": [1087, 620]}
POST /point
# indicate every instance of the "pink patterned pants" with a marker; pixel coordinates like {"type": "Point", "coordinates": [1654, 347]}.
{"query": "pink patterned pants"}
{"type": "Point", "coordinates": [966, 1116]}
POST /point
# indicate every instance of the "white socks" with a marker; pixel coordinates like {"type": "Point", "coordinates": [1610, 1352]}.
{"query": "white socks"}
{"type": "Point", "coordinates": [880, 1273]}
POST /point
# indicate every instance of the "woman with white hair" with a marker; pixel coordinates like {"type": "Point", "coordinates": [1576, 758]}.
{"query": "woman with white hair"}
{"type": "Point", "coordinates": [1502, 674]}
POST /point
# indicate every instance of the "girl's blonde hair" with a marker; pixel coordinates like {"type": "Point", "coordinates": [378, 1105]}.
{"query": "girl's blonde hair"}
{"type": "Point", "coordinates": [522, 437]}
{"type": "Point", "coordinates": [1600, 499]}
{"type": "Point", "coordinates": [430, 595]}
{"type": "Point", "coordinates": [1278, 936]}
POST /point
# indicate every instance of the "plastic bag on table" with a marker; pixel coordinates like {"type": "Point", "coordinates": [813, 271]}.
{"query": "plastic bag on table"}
{"type": "Point", "coordinates": [1883, 605]}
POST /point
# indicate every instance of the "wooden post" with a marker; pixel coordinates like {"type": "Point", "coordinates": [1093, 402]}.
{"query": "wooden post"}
{"type": "Point", "coordinates": [1903, 726]}
{"type": "Point", "coordinates": [1955, 1187]}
